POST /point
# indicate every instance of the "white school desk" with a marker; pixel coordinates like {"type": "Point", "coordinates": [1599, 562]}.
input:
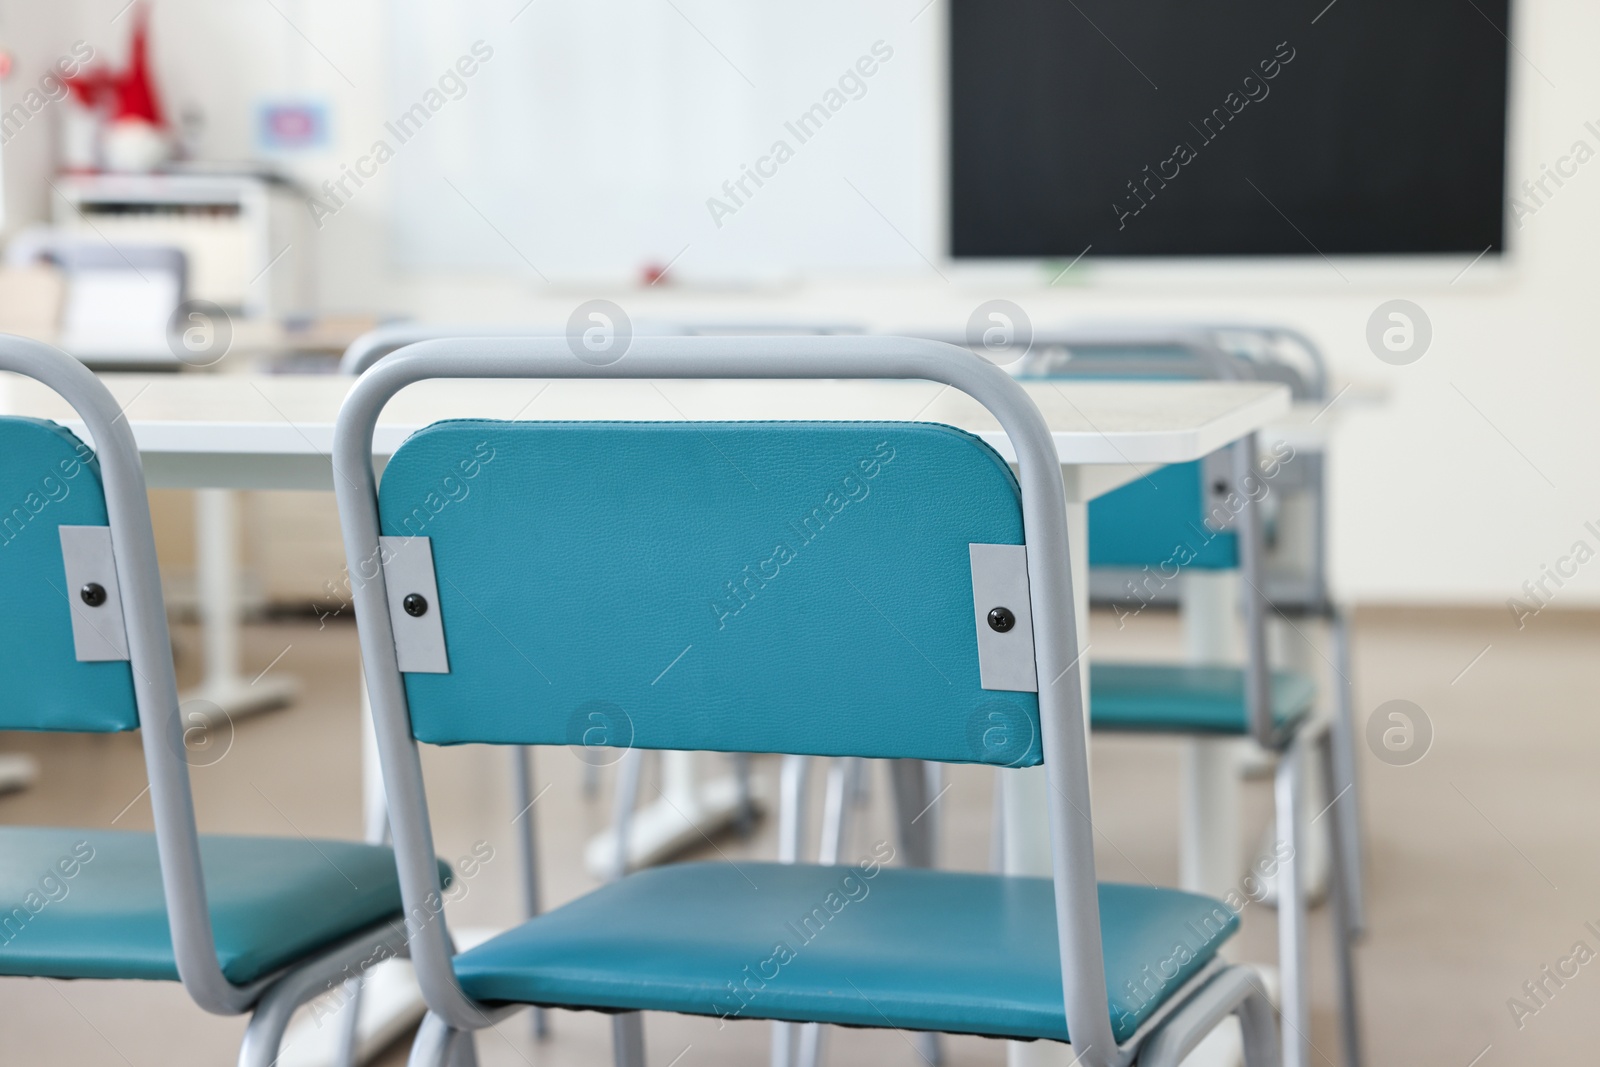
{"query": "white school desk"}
{"type": "Point", "coordinates": [249, 431]}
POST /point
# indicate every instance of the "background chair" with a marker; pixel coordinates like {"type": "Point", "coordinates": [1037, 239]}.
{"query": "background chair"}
{"type": "Point", "coordinates": [1169, 520]}
{"type": "Point", "coordinates": [447, 623]}
{"type": "Point", "coordinates": [247, 924]}
{"type": "Point", "coordinates": [1294, 568]}
{"type": "Point", "coordinates": [1137, 527]}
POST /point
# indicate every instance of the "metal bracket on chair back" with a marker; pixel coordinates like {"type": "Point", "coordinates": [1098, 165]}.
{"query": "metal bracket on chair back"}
{"type": "Point", "coordinates": [99, 633]}
{"type": "Point", "coordinates": [414, 604]}
{"type": "Point", "coordinates": [1000, 605]}
{"type": "Point", "coordinates": [1217, 483]}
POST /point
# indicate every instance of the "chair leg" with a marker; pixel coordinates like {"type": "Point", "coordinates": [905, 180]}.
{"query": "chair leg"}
{"type": "Point", "coordinates": [837, 803]}
{"type": "Point", "coordinates": [1259, 1031]}
{"type": "Point", "coordinates": [745, 822]}
{"type": "Point", "coordinates": [791, 807]}
{"type": "Point", "coordinates": [911, 800]}
{"type": "Point", "coordinates": [1343, 939]}
{"type": "Point", "coordinates": [1235, 991]}
{"type": "Point", "coordinates": [1292, 955]}
{"type": "Point", "coordinates": [629, 770]}
{"type": "Point", "coordinates": [434, 1045]}
{"type": "Point", "coordinates": [463, 1051]}
{"type": "Point", "coordinates": [931, 815]}
{"type": "Point", "coordinates": [791, 833]}
{"type": "Point", "coordinates": [810, 1053]}
{"type": "Point", "coordinates": [270, 1018]}
{"type": "Point", "coordinates": [1342, 778]}
{"type": "Point", "coordinates": [627, 1039]}
{"type": "Point", "coordinates": [783, 1043]}
{"type": "Point", "coordinates": [915, 790]}
{"type": "Point", "coordinates": [836, 809]}
{"type": "Point", "coordinates": [997, 826]}
{"type": "Point", "coordinates": [350, 1026]}
{"type": "Point", "coordinates": [523, 797]}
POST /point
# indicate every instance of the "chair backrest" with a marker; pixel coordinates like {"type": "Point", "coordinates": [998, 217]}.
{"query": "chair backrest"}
{"type": "Point", "coordinates": [55, 484]}
{"type": "Point", "coordinates": [379, 341]}
{"type": "Point", "coordinates": [50, 479]}
{"type": "Point", "coordinates": [1170, 517]}
{"type": "Point", "coordinates": [589, 553]}
{"type": "Point", "coordinates": [745, 587]}
{"type": "Point", "coordinates": [1165, 520]}
{"type": "Point", "coordinates": [1190, 516]}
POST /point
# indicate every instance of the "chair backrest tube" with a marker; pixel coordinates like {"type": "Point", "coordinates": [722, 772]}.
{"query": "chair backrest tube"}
{"type": "Point", "coordinates": [150, 654]}
{"type": "Point", "coordinates": [1044, 525]}
{"type": "Point", "coordinates": [379, 341]}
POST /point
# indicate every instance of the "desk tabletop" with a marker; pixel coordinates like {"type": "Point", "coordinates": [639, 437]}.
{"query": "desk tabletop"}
{"type": "Point", "coordinates": [248, 430]}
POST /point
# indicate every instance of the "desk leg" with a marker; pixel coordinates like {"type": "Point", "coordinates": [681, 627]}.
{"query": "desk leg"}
{"type": "Point", "coordinates": [1211, 850]}
{"type": "Point", "coordinates": [1211, 858]}
{"type": "Point", "coordinates": [1026, 792]}
{"type": "Point", "coordinates": [217, 595]}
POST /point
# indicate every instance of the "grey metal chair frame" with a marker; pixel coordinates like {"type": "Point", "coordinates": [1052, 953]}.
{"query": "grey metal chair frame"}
{"type": "Point", "coordinates": [1292, 749]}
{"type": "Point", "coordinates": [274, 998]}
{"type": "Point", "coordinates": [378, 342]}
{"type": "Point", "coordinates": [1189, 1014]}
{"type": "Point", "coordinates": [1312, 598]}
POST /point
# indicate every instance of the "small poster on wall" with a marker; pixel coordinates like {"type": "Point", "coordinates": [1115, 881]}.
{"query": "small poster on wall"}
{"type": "Point", "coordinates": [292, 125]}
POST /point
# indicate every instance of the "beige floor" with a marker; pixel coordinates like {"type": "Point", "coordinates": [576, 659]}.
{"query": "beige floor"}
{"type": "Point", "coordinates": [1484, 864]}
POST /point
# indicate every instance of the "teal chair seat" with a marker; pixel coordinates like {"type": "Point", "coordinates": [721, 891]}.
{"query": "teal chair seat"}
{"type": "Point", "coordinates": [913, 949]}
{"type": "Point", "coordinates": [1163, 698]}
{"type": "Point", "coordinates": [273, 901]}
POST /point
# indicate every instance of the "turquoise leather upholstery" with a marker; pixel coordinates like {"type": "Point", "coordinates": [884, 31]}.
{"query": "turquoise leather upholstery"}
{"type": "Point", "coordinates": [742, 587]}
{"type": "Point", "coordinates": [1158, 521]}
{"type": "Point", "coordinates": [865, 946]}
{"type": "Point", "coordinates": [1165, 698]}
{"type": "Point", "coordinates": [48, 479]}
{"type": "Point", "coordinates": [78, 903]}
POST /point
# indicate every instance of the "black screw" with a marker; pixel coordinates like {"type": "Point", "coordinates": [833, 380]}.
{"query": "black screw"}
{"type": "Point", "coordinates": [1220, 488]}
{"type": "Point", "coordinates": [416, 605]}
{"type": "Point", "coordinates": [1001, 619]}
{"type": "Point", "coordinates": [93, 594]}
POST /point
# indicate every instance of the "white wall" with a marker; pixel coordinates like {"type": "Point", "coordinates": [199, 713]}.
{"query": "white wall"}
{"type": "Point", "coordinates": [1479, 469]}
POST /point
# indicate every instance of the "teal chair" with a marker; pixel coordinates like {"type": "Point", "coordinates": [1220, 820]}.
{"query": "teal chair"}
{"type": "Point", "coordinates": [541, 608]}
{"type": "Point", "coordinates": [1195, 517]}
{"type": "Point", "coordinates": [1294, 572]}
{"type": "Point", "coordinates": [247, 924]}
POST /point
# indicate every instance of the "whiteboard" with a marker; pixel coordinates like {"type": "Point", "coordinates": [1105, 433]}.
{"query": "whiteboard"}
{"type": "Point", "coordinates": [598, 139]}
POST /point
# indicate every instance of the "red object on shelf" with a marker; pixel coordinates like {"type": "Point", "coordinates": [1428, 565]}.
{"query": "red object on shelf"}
{"type": "Point", "coordinates": [130, 94]}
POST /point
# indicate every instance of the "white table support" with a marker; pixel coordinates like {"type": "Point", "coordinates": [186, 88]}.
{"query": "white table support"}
{"type": "Point", "coordinates": [224, 693]}
{"type": "Point", "coordinates": [1210, 857]}
{"type": "Point", "coordinates": [17, 772]}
